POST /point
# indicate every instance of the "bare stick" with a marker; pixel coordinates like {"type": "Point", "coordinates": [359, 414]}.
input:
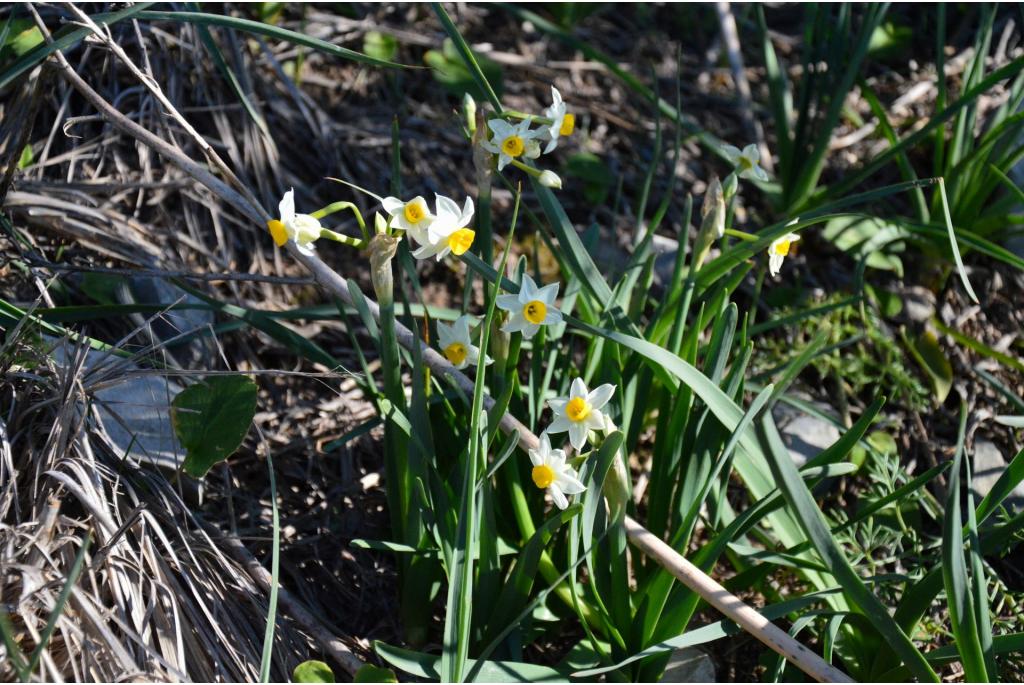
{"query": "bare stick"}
{"type": "Point", "coordinates": [731, 606]}
{"type": "Point", "coordinates": [731, 38]}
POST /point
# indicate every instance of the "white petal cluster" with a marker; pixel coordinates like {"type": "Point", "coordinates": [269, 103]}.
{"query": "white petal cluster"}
{"type": "Point", "coordinates": [438, 233]}
{"type": "Point", "coordinates": [302, 229]}
{"type": "Point", "coordinates": [509, 140]}
{"type": "Point", "coordinates": [778, 250]}
{"type": "Point", "coordinates": [580, 412]}
{"type": "Point", "coordinates": [531, 308]}
{"type": "Point", "coordinates": [562, 122]}
{"type": "Point", "coordinates": [456, 345]}
{"type": "Point", "coordinates": [449, 231]}
{"type": "Point", "coordinates": [552, 473]}
{"type": "Point", "coordinates": [413, 217]}
{"type": "Point", "coordinates": [747, 161]}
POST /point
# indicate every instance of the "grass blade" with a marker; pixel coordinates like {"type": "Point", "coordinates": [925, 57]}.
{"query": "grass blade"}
{"type": "Point", "coordinates": [952, 241]}
{"type": "Point", "coordinates": [268, 30]}
{"type": "Point", "coordinates": [275, 568]}
{"type": "Point", "coordinates": [954, 572]}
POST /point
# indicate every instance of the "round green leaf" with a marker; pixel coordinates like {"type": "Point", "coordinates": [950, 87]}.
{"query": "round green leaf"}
{"type": "Point", "coordinates": [316, 672]}
{"type": "Point", "coordinates": [211, 419]}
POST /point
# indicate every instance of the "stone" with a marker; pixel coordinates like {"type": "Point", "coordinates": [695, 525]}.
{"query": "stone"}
{"type": "Point", "coordinates": [804, 435]}
{"type": "Point", "coordinates": [689, 665]}
{"type": "Point", "coordinates": [133, 404]}
{"type": "Point", "coordinates": [989, 465]}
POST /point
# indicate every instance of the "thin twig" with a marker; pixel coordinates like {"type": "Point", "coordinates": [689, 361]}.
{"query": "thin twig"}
{"type": "Point", "coordinates": [731, 38]}
{"type": "Point", "coordinates": [161, 273]}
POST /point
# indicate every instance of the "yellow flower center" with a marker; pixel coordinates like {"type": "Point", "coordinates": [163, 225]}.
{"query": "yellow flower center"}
{"type": "Point", "coordinates": [278, 232]}
{"type": "Point", "coordinates": [577, 409]}
{"type": "Point", "coordinates": [745, 163]}
{"type": "Point", "coordinates": [535, 311]}
{"type": "Point", "coordinates": [568, 124]}
{"type": "Point", "coordinates": [543, 476]}
{"type": "Point", "coordinates": [512, 146]}
{"type": "Point", "coordinates": [782, 247]}
{"type": "Point", "coordinates": [460, 240]}
{"type": "Point", "coordinates": [414, 212]}
{"type": "Point", "coordinates": [456, 353]}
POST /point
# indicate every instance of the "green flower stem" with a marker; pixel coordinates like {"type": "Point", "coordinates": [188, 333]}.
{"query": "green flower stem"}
{"type": "Point", "coordinates": [546, 566]}
{"type": "Point", "coordinates": [341, 206]}
{"type": "Point", "coordinates": [532, 171]}
{"type": "Point", "coordinates": [343, 239]}
{"type": "Point", "coordinates": [512, 114]}
{"type": "Point", "coordinates": [742, 235]}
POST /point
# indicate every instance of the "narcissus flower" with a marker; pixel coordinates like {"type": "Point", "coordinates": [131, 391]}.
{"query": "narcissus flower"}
{"type": "Point", "coordinates": [550, 472]}
{"type": "Point", "coordinates": [413, 217]}
{"type": "Point", "coordinates": [580, 412]}
{"type": "Point", "coordinates": [448, 232]}
{"type": "Point", "coordinates": [563, 122]}
{"type": "Point", "coordinates": [778, 250]}
{"type": "Point", "coordinates": [531, 308]}
{"type": "Point", "coordinates": [508, 141]}
{"type": "Point", "coordinates": [747, 161]}
{"type": "Point", "coordinates": [300, 228]}
{"type": "Point", "coordinates": [456, 344]}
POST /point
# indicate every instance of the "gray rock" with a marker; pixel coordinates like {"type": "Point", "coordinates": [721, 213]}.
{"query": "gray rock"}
{"type": "Point", "coordinates": [989, 465]}
{"type": "Point", "coordinates": [805, 436]}
{"type": "Point", "coordinates": [918, 304]}
{"type": "Point", "coordinates": [689, 665]}
{"type": "Point", "coordinates": [133, 404]}
{"type": "Point", "coordinates": [157, 291]}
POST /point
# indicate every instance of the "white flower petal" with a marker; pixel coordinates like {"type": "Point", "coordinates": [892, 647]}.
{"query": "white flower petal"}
{"type": "Point", "coordinates": [578, 435]}
{"type": "Point", "coordinates": [569, 484]}
{"type": "Point", "coordinates": [578, 389]}
{"type": "Point", "coordinates": [556, 494]}
{"type": "Point", "coordinates": [552, 317]}
{"type": "Point", "coordinates": [445, 334]}
{"type": "Point", "coordinates": [515, 324]}
{"type": "Point", "coordinates": [286, 208]}
{"type": "Point", "coordinates": [467, 213]}
{"type": "Point", "coordinates": [558, 405]}
{"type": "Point", "coordinates": [509, 303]}
{"type": "Point", "coordinates": [547, 294]}
{"type": "Point", "coordinates": [594, 420]}
{"type": "Point", "coordinates": [501, 128]}
{"type": "Point", "coordinates": [752, 153]}
{"type": "Point", "coordinates": [392, 205]}
{"type": "Point", "coordinates": [530, 329]}
{"type": "Point", "coordinates": [527, 289]}
{"type": "Point", "coordinates": [600, 395]}
{"type": "Point", "coordinates": [732, 153]}
{"type": "Point", "coordinates": [447, 208]}
{"type": "Point", "coordinates": [559, 425]}
{"type": "Point", "coordinates": [759, 173]}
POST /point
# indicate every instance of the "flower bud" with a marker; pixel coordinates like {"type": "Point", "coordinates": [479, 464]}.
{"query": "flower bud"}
{"type": "Point", "coordinates": [730, 185]}
{"type": "Point", "coordinates": [469, 109]}
{"type": "Point", "coordinates": [550, 179]}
